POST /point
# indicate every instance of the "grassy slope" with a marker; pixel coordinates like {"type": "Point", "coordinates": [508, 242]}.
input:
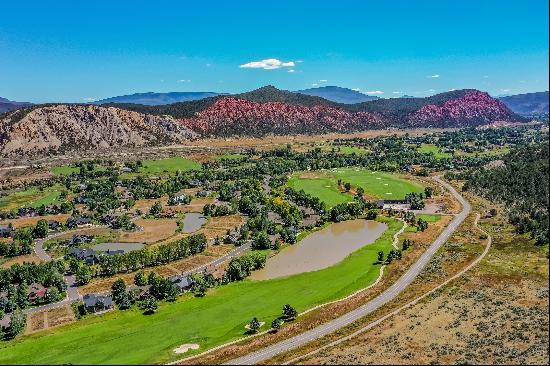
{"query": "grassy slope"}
{"type": "Point", "coordinates": [325, 188]}
{"type": "Point", "coordinates": [438, 152]}
{"type": "Point", "coordinates": [31, 197]}
{"type": "Point", "coordinates": [375, 184]}
{"type": "Point", "coordinates": [217, 318]}
{"type": "Point", "coordinates": [64, 170]}
{"type": "Point", "coordinates": [170, 165]}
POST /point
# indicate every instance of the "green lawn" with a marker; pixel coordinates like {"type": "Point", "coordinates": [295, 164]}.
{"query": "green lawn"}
{"type": "Point", "coordinates": [436, 151]}
{"type": "Point", "coordinates": [169, 165]}
{"type": "Point", "coordinates": [31, 197]}
{"type": "Point", "coordinates": [132, 338]}
{"type": "Point", "coordinates": [351, 149]}
{"type": "Point", "coordinates": [324, 187]}
{"type": "Point", "coordinates": [380, 185]}
{"type": "Point", "coordinates": [64, 170]}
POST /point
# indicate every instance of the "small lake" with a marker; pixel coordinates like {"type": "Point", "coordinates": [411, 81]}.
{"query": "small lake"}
{"type": "Point", "coordinates": [127, 247]}
{"type": "Point", "coordinates": [321, 249]}
{"type": "Point", "coordinates": [192, 222]}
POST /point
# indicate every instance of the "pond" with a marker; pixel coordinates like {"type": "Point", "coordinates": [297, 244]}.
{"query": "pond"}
{"type": "Point", "coordinates": [192, 222]}
{"type": "Point", "coordinates": [127, 247]}
{"type": "Point", "coordinates": [321, 249]}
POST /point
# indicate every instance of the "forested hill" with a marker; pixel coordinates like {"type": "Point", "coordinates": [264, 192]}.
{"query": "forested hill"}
{"type": "Point", "coordinates": [521, 184]}
{"type": "Point", "coordinates": [270, 110]}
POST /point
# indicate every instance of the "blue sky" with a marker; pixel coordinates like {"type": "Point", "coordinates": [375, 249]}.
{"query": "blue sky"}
{"type": "Point", "coordinates": [75, 51]}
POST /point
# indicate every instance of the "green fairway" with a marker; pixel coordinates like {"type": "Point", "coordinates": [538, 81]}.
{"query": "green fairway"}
{"type": "Point", "coordinates": [351, 150]}
{"type": "Point", "coordinates": [170, 165]}
{"type": "Point", "coordinates": [132, 338]}
{"type": "Point", "coordinates": [436, 151]}
{"type": "Point", "coordinates": [378, 185]}
{"type": "Point", "coordinates": [322, 186]}
{"type": "Point", "coordinates": [64, 170]}
{"type": "Point", "coordinates": [32, 197]}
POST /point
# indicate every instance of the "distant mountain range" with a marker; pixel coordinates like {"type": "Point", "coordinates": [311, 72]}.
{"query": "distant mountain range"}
{"type": "Point", "coordinates": [7, 105]}
{"type": "Point", "coordinates": [530, 104]}
{"type": "Point", "coordinates": [151, 98]}
{"type": "Point", "coordinates": [338, 94]}
{"type": "Point", "coordinates": [56, 128]}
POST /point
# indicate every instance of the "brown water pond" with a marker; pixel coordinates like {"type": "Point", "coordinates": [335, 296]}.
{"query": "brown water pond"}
{"type": "Point", "coordinates": [321, 249]}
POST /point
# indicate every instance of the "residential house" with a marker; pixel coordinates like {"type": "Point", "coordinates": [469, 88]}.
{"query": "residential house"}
{"type": "Point", "coordinates": [182, 283]}
{"type": "Point", "coordinates": [54, 225]}
{"type": "Point", "coordinates": [6, 231]}
{"type": "Point", "coordinates": [36, 293]}
{"type": "Point", "coordinates": [94, 303]}
{"type": "Point", "coordinates": [90, 256]}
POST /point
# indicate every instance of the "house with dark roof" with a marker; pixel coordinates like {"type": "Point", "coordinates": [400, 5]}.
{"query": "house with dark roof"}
{"type": "Point", "coordinates": [6, 231]}
{"type": "Point", "coordinates": [94, 303]}
{"type": "Point", "coordinates": [54, 225]}
{"type": "Point", "coordinates": [73, 222]}
{"type": "Point", "coordinates": [182, 283]}
{"type": "Point", "coordinates": [90, 256]}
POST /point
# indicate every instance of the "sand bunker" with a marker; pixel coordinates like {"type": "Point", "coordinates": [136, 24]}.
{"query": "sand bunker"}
{"type": "Point", "coordinates": [248, 325]}
{"type": "Point", "coordinates": [186, 347]}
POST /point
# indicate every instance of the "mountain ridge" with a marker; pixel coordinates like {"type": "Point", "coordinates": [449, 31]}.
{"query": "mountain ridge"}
{"type": "Point", "coordinates": [338, 94]}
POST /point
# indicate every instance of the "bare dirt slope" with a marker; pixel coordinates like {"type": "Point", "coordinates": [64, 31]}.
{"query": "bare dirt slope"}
{"type": "Point", "coordinates": [60, 128]}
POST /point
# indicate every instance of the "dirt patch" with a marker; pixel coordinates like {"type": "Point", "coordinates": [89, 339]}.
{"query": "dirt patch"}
{"type": "Point", "coordinates": [20, 259]}
{"type": "Point", "coordinates": [186, 347]}
{"type": "Point", "coordinates": [153, 230]}
{"type": "Point", "coordinates": [48, 319]}
{"type": "Point", "coordinates": [31, 221]}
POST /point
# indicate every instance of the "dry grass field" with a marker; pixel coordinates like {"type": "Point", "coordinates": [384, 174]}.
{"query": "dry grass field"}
{"type": "Point", "coordinates": [48, 319]}
{"type": "Point", "coordinates": [154, 230]}
{"type": "Point", "coordinates": [31, 221]}
{"type": "Point", "coordinates": [497, 313]}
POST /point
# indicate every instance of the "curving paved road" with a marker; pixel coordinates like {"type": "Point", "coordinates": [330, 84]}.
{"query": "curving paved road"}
{"type": "Point", "coordinates": [385, 297]}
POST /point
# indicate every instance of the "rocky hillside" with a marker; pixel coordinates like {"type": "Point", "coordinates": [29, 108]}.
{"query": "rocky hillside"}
{"type": "Point", "coordinates": [233, 116]}
{"type": "Point", "coordinates": [61, 128]}
{"type": "Point", "coordinates": [236, 116]}
{"type": "Point", "coordinates": [270, 110]}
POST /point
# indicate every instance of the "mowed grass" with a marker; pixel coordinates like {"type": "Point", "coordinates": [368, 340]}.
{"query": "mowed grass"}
{"type": "Point", "coordinates": [128, 337]}
{"type": "Point", "coordinates": [322, 186]}
{"type": "Point", "coordinates": [377, 185]}
{"type": "Point", "coordinates": [64, 170]}
{"type": "Point", "coordinates": [169, 165]}
{"type": "Point", "coordinates": [436, 151]}
{"type": "Point", "coordinates": [31, 197]}
{"type": "Point", "coordinates": [429, 218]}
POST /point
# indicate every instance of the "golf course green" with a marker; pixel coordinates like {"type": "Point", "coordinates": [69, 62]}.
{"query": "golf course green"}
{"type": "Point", "coordinates": [129, 337]}
{"type": "Point", "coordinates": [377, 185]}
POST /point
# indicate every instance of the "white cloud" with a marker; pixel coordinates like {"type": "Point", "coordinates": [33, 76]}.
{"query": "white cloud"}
{"type": "Point", "coordinates": [184, 81]}
{"type": "Point", "coordinates": [267, 64]}
{"type": "Point", "coordinates": [453, 89]}
{"type": "Point", "coordinates": [323, 80]}
{"type": "Point", "coordinates": [430, 90]}
{"type": "Point", "coordinates": [291, 70]}
{"type": "Point", "coordinates": [314, 84]}
{"type": "Point", "coordinates": [505, 90]}
{"type": "Point", "coordinates": [397, 92]}
{"type": "Point", "coordinates": [88, 99]}
{"type": "Point", "coordinates": [435, 76]}
{"type": "Point", "coordinates": [375, 92]}
{"type": "Point", "coordinates": [356, 89]}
